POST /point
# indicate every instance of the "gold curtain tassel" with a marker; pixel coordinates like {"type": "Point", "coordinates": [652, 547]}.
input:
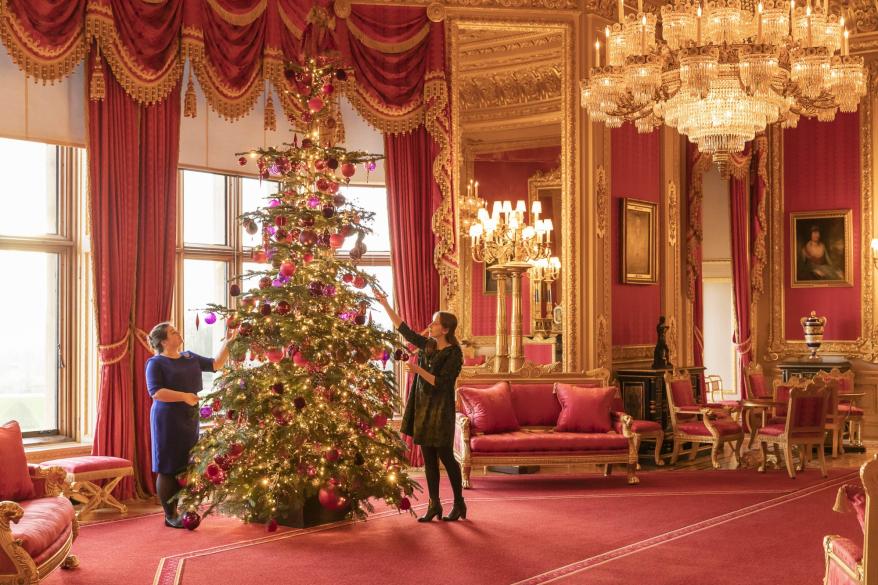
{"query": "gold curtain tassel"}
{"type": "Point", "coordinates": [97, 85]}
{"type": "Point", "coordinates": [841, 501]}
{"type": "Point", "coordinates": [190, 101]}
{"type": "Point", "coordinates": [270, 117]}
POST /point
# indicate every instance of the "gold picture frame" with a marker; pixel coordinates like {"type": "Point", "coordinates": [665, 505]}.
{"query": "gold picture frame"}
{"type": "Point", "coordinates": [489, 285]}
{"type": "Point", "coordinates": [639, 237]}
{"type": "Point", "coordinates": [821, 248]}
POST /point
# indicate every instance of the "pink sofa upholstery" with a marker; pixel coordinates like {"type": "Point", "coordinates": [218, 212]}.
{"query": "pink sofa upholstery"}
{"type": "Point", "coordinates": [537, 442]}
{"type": "Point", "coordinates": [36, 533]}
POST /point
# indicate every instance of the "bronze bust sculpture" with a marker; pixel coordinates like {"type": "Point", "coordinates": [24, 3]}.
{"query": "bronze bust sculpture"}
{"type": "Point", "coordinates": [660, 356]}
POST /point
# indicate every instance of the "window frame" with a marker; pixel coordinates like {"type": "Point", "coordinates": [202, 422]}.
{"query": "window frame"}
{"type": "Point", "coordinates": [70, 243]}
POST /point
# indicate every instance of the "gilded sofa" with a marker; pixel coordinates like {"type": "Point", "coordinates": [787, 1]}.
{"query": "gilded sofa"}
{"type": "Point", "coordinates": [536, 442]}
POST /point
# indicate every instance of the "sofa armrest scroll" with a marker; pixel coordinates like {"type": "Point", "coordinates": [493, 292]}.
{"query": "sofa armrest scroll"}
{"type": "Point", "coordinates": [462, 437]}
{"type": "Point", "coordinates": [48, 481]}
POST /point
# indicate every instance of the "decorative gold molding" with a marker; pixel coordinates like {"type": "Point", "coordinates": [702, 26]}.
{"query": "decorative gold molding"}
{"type": "Point", "coordinates": [603, 340]}
{"type": "Point", "coordinates": [602, 202]}
{"type": "Point", "coordinates": [632, 353]}
{"type": "Point", "coordinates": [502, 89]}
{"type": "Point", "coordinates": [863, 347]}
{"type": "Point", "coordinates": [673, 212]}
{"type": "Point", "coordinates": [436, 12]}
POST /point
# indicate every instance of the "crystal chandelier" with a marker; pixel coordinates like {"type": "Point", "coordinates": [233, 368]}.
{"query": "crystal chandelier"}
{"type": "Point", "coordinates": [723, 73]}
{"type": "Point", "coordinates": [469, 206]}
{"type": "Point", "coordinates": [504, 238]}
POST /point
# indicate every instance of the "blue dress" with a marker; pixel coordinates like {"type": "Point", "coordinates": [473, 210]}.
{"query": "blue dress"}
{"type": "Point", "coordinates": [174, 425]}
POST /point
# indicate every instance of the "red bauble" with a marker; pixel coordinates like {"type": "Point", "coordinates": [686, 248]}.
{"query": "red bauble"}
{"type": "Point", "coordinates": [307, 257]}
{"type": "Point", "coordinates": [359, 282]}
{"type": "Point", "coordinates": [336, 241]}
{"type": "Point", "coordinates": [379, 421]}
{"type": "Point", "coordinates": [328, 89]}
{"type": "Point", "coordinates": [281, 234]}
{"type": "Point", "coordinates": [300, 360]}
{"type": "Point", "coordinates": [331, 455]}
{"type": "Point", "coordinates": [272, 525]}
{"type": "Point", "coordinates": [315, 104]}
{"type": "Point", "coordinates": [191, 520]}
{"type": "Point", "coordinates": [348, 170]}
{"type": "Point", "coordinates": [320, 164]}
{"type": "Point", "coordinates": [242, 161]}
{"type": "Point", "coordinates": [259, 256]}
{"type": "Point", "coordinates": [348, 277]}
{"type": "Point", "coordinates": [282, 308]}
{"type": "Point", "coordinates": [234, 290]}
{"type": "Point", "coordinates": [330, 499]}
{"type": "Point", "coordinates": [322, 184]}
{"type": "Point", "coordinates": [235, 449]}
{"type": "Point", "coordinates": [264, 282]}
{"type": "Point", "coordinates": [338, 200]}
{"type": "Point", "coordinates": [274, 354]}
{"type": "Point", "coordinates": [308, 237]}
{"type": "Point", "coordinates": [287, 268]}
{"type": "Point", "coordinates": [405, 504]}
{"type": "Point", "coordinates": [333, 188]}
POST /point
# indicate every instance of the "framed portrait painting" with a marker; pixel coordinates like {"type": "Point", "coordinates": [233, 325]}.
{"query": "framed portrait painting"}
{"type": "Point", "coordinates": [821, 248]}
{"type": "Point", "coordinates": [639, 234]}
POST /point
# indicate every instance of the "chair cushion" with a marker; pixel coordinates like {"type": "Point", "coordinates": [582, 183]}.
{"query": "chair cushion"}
{"type": "Point", "coordinates": [45, 520]}
{"type": "Point", "coordinates": [855, 495]}
{"type": "Point", "coordinates": [523, 441]}
{"type": "Point", "coordinates": [88, 463]}
{"type": "Point", "coordinates": [847, 550]}
{"type": "Point", "coordinates": [773, 429]}
{"type": "Point", "coordinates": [724, 426]}
{"type": "Point", "coordinates": [489, 409]}
{"type": "Point", "coordinates": [583, 409]}
{"type": "Point", "coordinates": [639, 426]}
{"type": "Point", "coordinates": [758, 388]}
{"type": "Point", "coordinates": [848, 408]}
{"type": "Point", "coordinates": [683, 395]}
{"type": "Point", "coordinates": [474, 361]}
{"type": "Point", "coordinates": [535, 404]}
{"type": "Point", "coordinates": [15, 482]}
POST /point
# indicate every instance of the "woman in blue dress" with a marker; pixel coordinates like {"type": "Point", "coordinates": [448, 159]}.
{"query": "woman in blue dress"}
{"type": "Point", "coordinates": [173, 379]}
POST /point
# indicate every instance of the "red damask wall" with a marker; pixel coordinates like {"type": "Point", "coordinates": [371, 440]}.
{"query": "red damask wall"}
{"type": "Point", "coordinates": [636, 173]}
{"type": "Point", "coordinates": [502, 176]}
{"type": "Point", "coordinates": [822, 172]}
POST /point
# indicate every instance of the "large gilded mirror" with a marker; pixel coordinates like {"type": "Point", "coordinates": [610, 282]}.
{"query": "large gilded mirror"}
{"type": "Point", "coordinates": [512, 132]}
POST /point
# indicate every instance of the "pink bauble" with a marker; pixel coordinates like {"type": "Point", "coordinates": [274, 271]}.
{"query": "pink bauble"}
{"type": "Point", "coordinates": [299, 360]}
{"type": "Point", "coordinates": [348, 170]}
{"type": "Point", "coordinates": [330, 499]}
{"type": "Point", "coordinates": [210, 318]}
{"type": "Point", "coordinates": [274, 354]}
{"type": "Point", "coordinates": [328, 88]}
{"type": "Point", "coordinates": [315, 104]}
{"type": "Point", "coordinates": [287, 268]}
{"type": "Point", "coordinates": [307, 257]}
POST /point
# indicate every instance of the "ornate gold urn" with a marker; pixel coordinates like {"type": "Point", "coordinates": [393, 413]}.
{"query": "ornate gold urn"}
{"type": "Point", "coordinates": [813, 326]}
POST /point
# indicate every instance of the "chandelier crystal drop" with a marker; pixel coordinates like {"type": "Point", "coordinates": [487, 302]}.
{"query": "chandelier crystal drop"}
{"type": "Point", "coordinates": [722, 73]}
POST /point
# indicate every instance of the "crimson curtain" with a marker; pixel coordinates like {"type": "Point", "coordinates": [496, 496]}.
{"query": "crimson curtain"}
{"type": "Point", "coordinates": [739, 195]}
{"type": "Point", "coordinates": [411, 194]}
{"type": "Point", "coordinates": [113, 156]}
{"type": "Point", "coordinates": [156, 237]}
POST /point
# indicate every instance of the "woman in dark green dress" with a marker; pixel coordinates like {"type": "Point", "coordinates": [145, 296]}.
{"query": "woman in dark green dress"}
{"type": "Point", "coordinates": [429, 412]}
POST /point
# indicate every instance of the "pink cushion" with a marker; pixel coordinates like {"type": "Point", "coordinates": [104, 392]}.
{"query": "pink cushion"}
{"type": "Point", "coordinates": [474, 361]}
{"type": "Point", "coordinates": [15, 482]}
{"type": "Point", "coordinates": [489, 409]}
{"type": "Point", "coordinates": [725, 427]}
{"type": "Point", "coordinates": [856, 497]}
{"type": "Point", "coordinates": [535, 404]}
{"type": "Point", "coordinates": [758, 388]}
{"type": "Point", "coordinates": [848, 551]}
{"type": "Point", "coordinates": [682, 393]}
{"type": "Point", "coordinates": [639, 426]}
{"type": "Point", "coordinates": [522, 441]}
{"type": "Point", "coordinates": [87, 463]}
{"type": "Point", "coordinates": [584, 410]}
{"type": "Point", "coordinates": [848, 408]}
{"type": "Point", "coordinates": [45, 520]}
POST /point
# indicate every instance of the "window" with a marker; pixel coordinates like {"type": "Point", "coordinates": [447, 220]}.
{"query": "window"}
{"type": "Point", "coordinates": [215, 249]}
{"type": "Point", "coordinates": [40, 211]}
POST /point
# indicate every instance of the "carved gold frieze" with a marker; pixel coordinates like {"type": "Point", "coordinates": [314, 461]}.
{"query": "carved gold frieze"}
{"type": "Point", "coordinates": [632, 353]}
{"type": "Point", "coordinates": [673, 212]}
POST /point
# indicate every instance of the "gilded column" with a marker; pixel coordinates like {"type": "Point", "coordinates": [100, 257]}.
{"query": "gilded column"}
{"type": "Point", "coordinates": [516, 334]}
{"type": "Point", "coordinates": [501, 351]}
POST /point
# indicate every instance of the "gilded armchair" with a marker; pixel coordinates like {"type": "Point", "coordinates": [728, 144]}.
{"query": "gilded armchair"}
{"type": "Point", "coordinates": [697, 423]}
{"type": "Point", "coordinates": [803, 426]}
{"type": "Point", "coordinates": [853, 414]}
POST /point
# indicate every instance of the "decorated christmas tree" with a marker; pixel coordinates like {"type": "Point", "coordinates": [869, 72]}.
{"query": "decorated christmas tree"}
{"type": "Point", "coordinates": [301, 414]}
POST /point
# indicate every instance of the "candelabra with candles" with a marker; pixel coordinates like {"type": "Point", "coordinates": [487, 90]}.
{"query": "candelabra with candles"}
{"type": "Point", "coordinates": [506, 241]}
{"type": "Point", "coordinates": [723, 72]}
{"type": "Point", "coordinates": [544, 271]}
{"type": "Point", "coordinates": [469, 206]}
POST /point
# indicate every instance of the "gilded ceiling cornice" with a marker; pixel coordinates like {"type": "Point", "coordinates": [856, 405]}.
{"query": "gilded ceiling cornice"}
{"type": "Point", "coordinates": [509, 88]}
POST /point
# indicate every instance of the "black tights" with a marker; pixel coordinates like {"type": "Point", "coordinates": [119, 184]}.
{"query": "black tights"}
{"type": "Point", "coordinates": [167, 487]}
{"type": "Point", "coordinates": [432, 456]}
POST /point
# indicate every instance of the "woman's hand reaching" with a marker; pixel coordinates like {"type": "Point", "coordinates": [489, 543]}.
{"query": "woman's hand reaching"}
{"type": "Point", "coordinates": [191, 399]}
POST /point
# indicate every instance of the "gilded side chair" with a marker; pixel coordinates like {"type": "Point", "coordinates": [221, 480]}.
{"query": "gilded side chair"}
{"type": "Point", "coordinates": [853, 414]}
{"type": "Point", "coordinates": [803, 426]}
{"type": "Point", "coordinates": [698, 424]}
{"type": "Point", "coordinates": [847, 561]}
{"type": "Point", "coordinates": [835, 418]}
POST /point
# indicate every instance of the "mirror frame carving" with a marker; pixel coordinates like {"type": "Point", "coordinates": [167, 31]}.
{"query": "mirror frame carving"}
{"type": "Point", "coordinates": [536, 183]}
{"type": "Point", "coordinates": [493, 20]}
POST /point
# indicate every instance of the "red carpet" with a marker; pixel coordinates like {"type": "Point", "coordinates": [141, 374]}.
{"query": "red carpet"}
{"type": "Point", "coordinates": [684, 528]}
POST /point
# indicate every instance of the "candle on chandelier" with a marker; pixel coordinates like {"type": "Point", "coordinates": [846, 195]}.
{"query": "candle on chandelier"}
{"type": "Point", "coordinates": [792, 13]}
{"type": "Point", "coordinates": [643, 35]}
{"type": "Point", "coordinates": [597, 56]}
{"type": "Point", "coordinates": [621, 11]}
{"type": "Point", "coordinates": [759, 30]}
{"type": "Point", "coordinates": [476, 186]}
{"type": "Point", "coordinates": [808, 15]}
{"type": "Point", "coordinates": [698, 25]}
{"type": "Point", "coordinates": [845, 47]}
{"type": "Point", "coordinates": [639, 6]}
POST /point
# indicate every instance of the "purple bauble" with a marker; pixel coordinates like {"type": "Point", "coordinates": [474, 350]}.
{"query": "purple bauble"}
{"type": "Point", "coordinates": [315, 287]}
{"type": "Point", "coordinates": [191, 520]}
{"type": "Point", "coordinates": [276, 283]}
{"type": "Point", "coordinates": [329, 290]}
{"type": "Point", "coordinates": [371, 165]}
{"type": "Point", "coordinates": [273, 203]}
{"type": "Point", "coordinates": [313, 202]}
{"type": "Point", "coordinates": [206, 411]}
{"type": "Point", "coordinates": [299, 403]}
{"type": "Point", "coordinates": [328, 211]}
{"type": "Point", "coordinates": [210, 318]}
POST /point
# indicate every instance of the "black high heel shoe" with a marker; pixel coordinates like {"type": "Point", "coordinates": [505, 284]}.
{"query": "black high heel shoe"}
{"type": "Point", "coordinates": [458, 511]}
{"type": "Point", "coordinates": [434, 510]}
{"type": "Point", "coordinates": [174, 522]}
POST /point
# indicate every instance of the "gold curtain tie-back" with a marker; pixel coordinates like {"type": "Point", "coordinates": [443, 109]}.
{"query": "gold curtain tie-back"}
{"type": "Point", "coordinates": [744, 346]}
{"type": "Point", "coordinates": [106, 351]}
